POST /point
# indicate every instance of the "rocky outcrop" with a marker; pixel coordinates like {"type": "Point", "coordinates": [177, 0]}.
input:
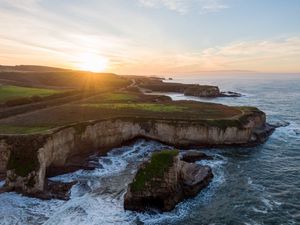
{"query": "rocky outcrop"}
{"type": "Point", "coordinates": [202, 91]}
{"type": "Point", "coordinates": [230, 94]}
{"type": "Point", "coordinates": [186, 89]}
{"type": "Point", "coordinates": [54, 190]}
{"type": "Point", "coordinates": [193, 156]}
{"type": "Point", "coordinates": [151, 84]}
{"type": "Point", "coordinates": [28, 157]}
{"type": "Point", "coordinates": [179, 180]}
{"type": "Point", "coordinates": [4, 155]}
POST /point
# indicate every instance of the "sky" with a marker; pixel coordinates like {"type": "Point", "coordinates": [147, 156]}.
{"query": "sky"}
{"type": "Point", "coordinates": [153, 36]}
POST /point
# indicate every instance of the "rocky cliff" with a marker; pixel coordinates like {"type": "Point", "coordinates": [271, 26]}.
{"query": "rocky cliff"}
{"type": "Point", "coordinates": [202, 91]}
{"type": "Point", "coordinates": [27, 157]}
{"type": "Point", "coordinates": [164, 181]}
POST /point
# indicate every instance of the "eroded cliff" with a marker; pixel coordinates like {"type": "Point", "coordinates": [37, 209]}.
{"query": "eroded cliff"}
{"type": "Point", "coordinates": [27, 157]}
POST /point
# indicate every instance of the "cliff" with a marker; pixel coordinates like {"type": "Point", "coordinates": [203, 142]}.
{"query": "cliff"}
{"type": "Point", "coordinates": [202, 91]}
{"type": "Point", "coordinates": [27, 157]}
{"type": "Point", "coordinates": [158, 85]}
{"type": "Point", "coordinates": [164, 181]}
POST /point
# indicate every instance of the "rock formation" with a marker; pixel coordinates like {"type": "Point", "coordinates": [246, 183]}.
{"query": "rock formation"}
{"type": "Point", "coordinates": [202, 91]}
{"type": "Point", "coordinates": [193, 156]}
{"type": "Point", "coordinates": [26, 158]}
{"type": "Point", "coordinates": [196, 90]}
{"type": "Point", "coordinates": [164, 181]}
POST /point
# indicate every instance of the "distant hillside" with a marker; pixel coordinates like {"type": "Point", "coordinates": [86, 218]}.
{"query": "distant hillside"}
{"type": "Point", "coordinates": [49, 77]}
{"type": "Point", "coordinates": [30, 68]}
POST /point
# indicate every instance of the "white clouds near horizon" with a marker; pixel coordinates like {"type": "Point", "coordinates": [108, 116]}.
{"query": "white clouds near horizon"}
{"type": "Point", "coordinates": [184, 6]}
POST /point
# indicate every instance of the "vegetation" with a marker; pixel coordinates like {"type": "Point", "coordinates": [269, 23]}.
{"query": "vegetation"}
{"type": "Point", "coordinates": [66, 79]}
{"type": "Point", "coordinates": [9, 129]}
{"type": "Point", "coordinates": [160, 162]}
{"type": "Point", "coordinates": [247, 108]}
{"type": "Point", "coordinates": [119, 97]}
{"type": "Point", "coordinates": [139, 106]}
{"type": "Point", "coordinates": [13, 92]}
{"type": "Point", "coordinates": [23, 161]}
{"type": "Point", "coordinates": [223, 124]}
{"type": "Point", "coordinates": [122, 105]}
{"type": "Point", "coordinates": [79, 97]}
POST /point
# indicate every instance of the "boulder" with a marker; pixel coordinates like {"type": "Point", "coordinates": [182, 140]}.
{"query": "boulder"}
{"type": "Point", "coordinates": [164, 181]}
{"type": "Point", "coordinates": [54, 190]}
{"type": "Point", "coordinates": [193, 156]}
{"type": "Point", "coordinates": [280, 124]}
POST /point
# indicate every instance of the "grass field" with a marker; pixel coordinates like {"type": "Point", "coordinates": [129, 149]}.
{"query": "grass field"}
{"type": "Point", "coordinates": [119, 97]}
{"type": "Point", "coordinates": [152, 107]}
{"type": "Point", "coordinates": [126, 105]}
{"type": "Point", "coordinates": [155, 169]}
{"type": "Point", "coordinates": [13, 92]}
{"type": "Point", "coordinates": [7, 129]}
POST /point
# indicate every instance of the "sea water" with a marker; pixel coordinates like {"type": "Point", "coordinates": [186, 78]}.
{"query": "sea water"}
{"type": "Point", "coordinates": [258, 185]}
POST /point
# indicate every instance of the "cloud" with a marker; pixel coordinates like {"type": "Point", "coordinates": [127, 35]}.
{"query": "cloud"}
{"type": "Point", "coordinates": [271, 56]}
{"type": "Point", "coordinates": [184, 6]}
{"type": "Point", "coordinates": [274, 55]}
{"type": "Point", "coordinates": [56, 36]}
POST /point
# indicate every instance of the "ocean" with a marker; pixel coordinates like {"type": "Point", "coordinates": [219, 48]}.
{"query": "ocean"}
{"type": "Point", "coordinates": [253, 185]}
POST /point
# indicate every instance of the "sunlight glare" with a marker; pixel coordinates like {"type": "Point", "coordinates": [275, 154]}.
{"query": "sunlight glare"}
{"type": "Point", "coordinates": [92, 62]}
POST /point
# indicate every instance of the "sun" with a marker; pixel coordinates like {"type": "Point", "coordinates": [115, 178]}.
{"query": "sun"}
{"type": "Point", "coordinates": [92, 62]}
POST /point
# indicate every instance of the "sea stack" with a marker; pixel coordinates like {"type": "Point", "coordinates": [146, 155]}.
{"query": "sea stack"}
{"type": "Point", "coordinates": [164, 181]}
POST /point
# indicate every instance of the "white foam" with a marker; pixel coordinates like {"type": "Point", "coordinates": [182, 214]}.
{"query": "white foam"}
{"type": "Point", "coordinates": [259, 210]}
{"type": "Point", "coordinates": [2, 182]}
{"type": "Point", "coordinates": [94, 201]}
{"type": "Point", "coordinates": [252, 222]}
{"type": "Point", "coordinates": [17, 209]}
{"type": "Point", "coordinates": [287, 132]}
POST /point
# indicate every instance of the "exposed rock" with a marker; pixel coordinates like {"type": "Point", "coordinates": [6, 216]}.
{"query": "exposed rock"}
{"type": "Point", "coordinates": [78, 162]}
{"type": "Point", "coordinates": [32, 155]}
{"type": "Point", "coordinates": [187, 89]}
{"type": "Point", "coordinates": [280, 124]}
{"type": "Point", "coordinates": [157, 85]}
{"type": "Point", "coordinates": [54, 190]}
{"type": "Point", "coordinates": [194, 178]}
{"type": "Point", "coordinates": [193, 156]}
{"type": "Point", "coordinates": [230, 94]}
{"type": "Point", "coordinates": [202, 91]}
{"type": "Point", "coordinates": [261, 134]}
{"type": "Point", "coordinates": [167, 186]}
{"type": "Point", "coordinates": [4, 155]}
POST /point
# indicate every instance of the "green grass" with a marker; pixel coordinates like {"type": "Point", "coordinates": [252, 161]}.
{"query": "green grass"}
{"type": "Point", "coordinates": [119, 97]}
{"type": "Point", "coordinates": [8, 129]}
{"type": "Point", "coordinates": [247, 109]}
{"type": "Point", "coordinates": [160, 162]}
{"type": "Point", "coordinates": [13, 92]}
{"type": "Point", "coordinates": [139, 106]}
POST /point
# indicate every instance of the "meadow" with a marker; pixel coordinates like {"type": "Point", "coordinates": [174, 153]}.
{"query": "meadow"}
{"type": "Point", "coordinates": [9, 92]}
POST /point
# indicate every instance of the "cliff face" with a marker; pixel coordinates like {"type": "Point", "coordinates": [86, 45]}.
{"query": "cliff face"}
{"type": "Point", "coordinates": [163, 188]}
{"type": "Point", "coordinates": [55, 149]}
{"type": "Point", "coordinates": [199, 91]}
{"type": "Point", "coordinates": [4, 155]}
{"type": "Point", "coordinates": [186, 89]}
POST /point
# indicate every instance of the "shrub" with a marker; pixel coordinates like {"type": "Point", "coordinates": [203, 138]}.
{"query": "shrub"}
{"type": "Point", "coordinates": [159, 163]}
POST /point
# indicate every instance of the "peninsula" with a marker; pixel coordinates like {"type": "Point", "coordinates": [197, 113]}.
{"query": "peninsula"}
{"type": "Point", "coordinates": [69, 114]}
